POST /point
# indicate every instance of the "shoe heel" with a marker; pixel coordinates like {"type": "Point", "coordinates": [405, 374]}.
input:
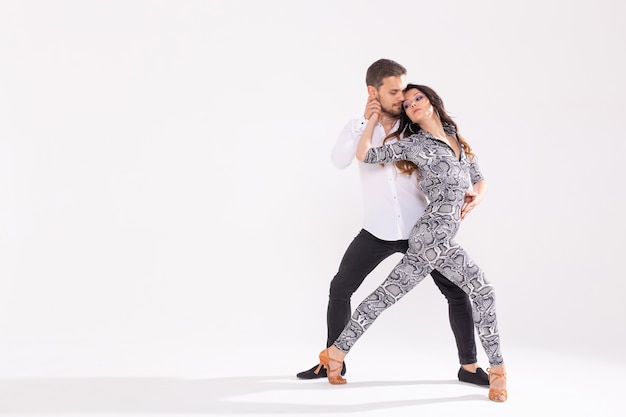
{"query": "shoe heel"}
{"type": "Point", "coordinates": [317, 370]}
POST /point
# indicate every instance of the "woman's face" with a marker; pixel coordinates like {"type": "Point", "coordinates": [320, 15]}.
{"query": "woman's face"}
{"type": "Point", "coordinates": [417, 106]}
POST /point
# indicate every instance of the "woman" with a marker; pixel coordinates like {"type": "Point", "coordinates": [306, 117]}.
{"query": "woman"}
{"type": "Point", "coordinates": [445, 165]}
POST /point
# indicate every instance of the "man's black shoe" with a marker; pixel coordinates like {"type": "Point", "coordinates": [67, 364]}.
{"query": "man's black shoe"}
{"type": "Point", "coordinates": [310, 373]}
{"type": "Point", "coordinates": [478, 378]}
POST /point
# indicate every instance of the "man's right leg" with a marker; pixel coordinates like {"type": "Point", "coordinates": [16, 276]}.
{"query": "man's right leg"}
{"type": "Point", "coordinates": [462, 324]}
{"type": "Point", "coordinates": [460, 315]}
{"type": "Point", "coordinates": [363, 255]}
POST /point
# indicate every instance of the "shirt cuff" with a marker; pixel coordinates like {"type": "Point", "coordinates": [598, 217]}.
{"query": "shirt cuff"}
{"type": "Point", "coordinates": [358, 125]}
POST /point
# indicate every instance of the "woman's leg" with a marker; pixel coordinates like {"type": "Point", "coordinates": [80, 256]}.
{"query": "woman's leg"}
{"type": "Point", "coordinates": [458, 267]}
{"type": "Point", "coordinates": [409, 272]}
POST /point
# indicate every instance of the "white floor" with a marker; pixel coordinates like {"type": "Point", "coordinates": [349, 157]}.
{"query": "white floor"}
{"type": "Point", "coordinates": [541, 383]}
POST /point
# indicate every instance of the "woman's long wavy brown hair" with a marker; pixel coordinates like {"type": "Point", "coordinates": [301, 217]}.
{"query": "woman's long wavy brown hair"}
{"type": "Point", "coordinates": [407, 167]}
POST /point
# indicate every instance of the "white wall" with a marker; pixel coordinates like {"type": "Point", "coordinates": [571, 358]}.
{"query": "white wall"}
{"type": "Point", "coordinates": [165, 179]}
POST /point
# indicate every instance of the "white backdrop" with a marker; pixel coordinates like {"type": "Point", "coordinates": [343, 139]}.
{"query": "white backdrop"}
{"type": "Point", "coordinates": [166, 191]}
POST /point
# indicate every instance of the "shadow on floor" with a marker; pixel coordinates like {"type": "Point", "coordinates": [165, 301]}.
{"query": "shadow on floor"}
{"type": "Point", "coordinates": [219, 396]}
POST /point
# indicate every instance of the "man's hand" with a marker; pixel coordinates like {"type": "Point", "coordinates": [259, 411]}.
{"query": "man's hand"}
{"type": "Point", "coordinates": [472, 199]}
{"type": "Point", "coordinates": [372, 106]}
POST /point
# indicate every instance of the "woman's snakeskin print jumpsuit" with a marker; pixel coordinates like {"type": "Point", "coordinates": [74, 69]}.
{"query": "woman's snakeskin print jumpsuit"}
{"type": "Point", "coordinates": [444, 178]}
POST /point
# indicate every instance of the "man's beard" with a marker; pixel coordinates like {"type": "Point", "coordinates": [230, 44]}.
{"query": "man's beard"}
{"type": "Point", "coordinates": [391, 111]}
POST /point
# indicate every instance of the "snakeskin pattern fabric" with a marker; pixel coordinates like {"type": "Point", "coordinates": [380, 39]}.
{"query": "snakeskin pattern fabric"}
{"type": "Point", "coordinates": [444, 178]}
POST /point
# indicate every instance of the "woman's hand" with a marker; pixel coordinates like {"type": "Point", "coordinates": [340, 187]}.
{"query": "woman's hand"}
{"type": "Point", "coordinates": [473, 198]}
{"type": "Point", "coordinates": [372, 107]}
{"type": "Point", "coordinates": [365, 143]}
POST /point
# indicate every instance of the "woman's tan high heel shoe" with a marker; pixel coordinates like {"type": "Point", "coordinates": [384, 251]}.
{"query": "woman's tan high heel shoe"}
{"type": "Point", "coordinates": [325, 360]}
{"type": "Point", "coordinates": [498, 395]}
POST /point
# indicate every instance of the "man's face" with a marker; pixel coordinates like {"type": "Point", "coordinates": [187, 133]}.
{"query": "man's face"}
{"type": "Point", "coordinates": [390, 94]}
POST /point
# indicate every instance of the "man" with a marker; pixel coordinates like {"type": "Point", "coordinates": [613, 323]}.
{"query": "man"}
{"type": "Point", "coordinates": [392, 204]}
